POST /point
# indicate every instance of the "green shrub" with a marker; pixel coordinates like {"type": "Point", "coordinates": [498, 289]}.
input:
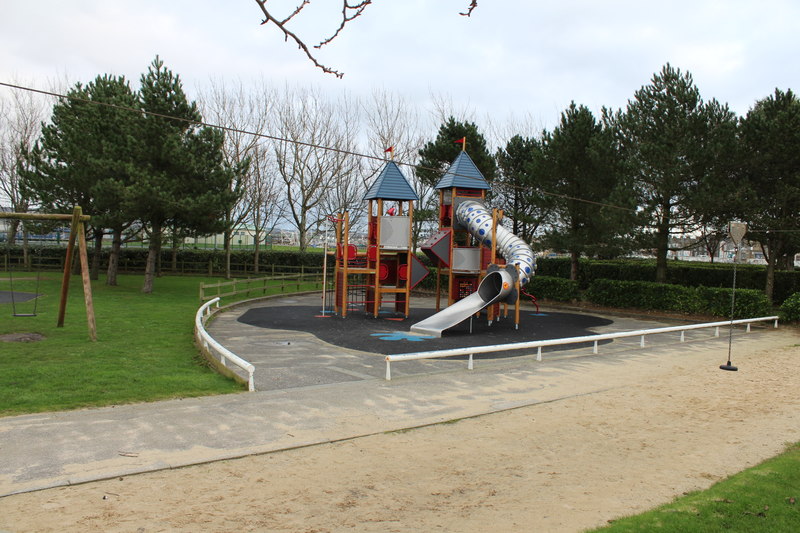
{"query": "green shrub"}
{"type": "Point", "coordinates": [551, 288]}
{"type": "Point", "coordinates": [665, 297]}
{"type": "Point", "coordinates": [643, 295]}
{"type": "Point", "coordinates": [790, 310]}
{"type": "Point", "coordinates": [750, 303]}
{"type": "Point", "coordinates": [686, 273]}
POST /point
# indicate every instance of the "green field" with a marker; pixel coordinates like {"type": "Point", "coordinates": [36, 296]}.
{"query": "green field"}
{"type": "Point", "coordinates": [144, 351]}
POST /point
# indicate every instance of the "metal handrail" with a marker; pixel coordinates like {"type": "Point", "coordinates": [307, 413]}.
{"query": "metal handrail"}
{"type": "Point", "coordinates": [207, 341]}
{"type": "Point", "coordinates": [569, 340]}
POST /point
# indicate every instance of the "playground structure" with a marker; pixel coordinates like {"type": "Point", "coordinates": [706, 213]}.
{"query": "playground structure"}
{"type": "Point", "coordinates": [77, 232]}
{"type": "Point", "coordinates": [483, 265]}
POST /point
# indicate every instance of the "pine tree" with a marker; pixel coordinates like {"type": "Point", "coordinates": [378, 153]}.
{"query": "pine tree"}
{"type": "Point", "coordinates": [86, 155]}
{"type": "Point", "coordinates": [185, 184]}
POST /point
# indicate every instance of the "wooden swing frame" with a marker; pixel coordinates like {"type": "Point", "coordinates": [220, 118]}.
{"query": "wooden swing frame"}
{"type": "Point", "coordinates": [77, 231]}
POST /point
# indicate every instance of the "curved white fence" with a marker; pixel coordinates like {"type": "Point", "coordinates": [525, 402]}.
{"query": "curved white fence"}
{"type": "Point", "coordinates": [208, 343]}
{"type": "Point", "coordinates": [569, 340]}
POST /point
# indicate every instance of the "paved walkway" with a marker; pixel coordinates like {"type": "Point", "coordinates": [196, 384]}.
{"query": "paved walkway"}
{"type": "Point", "coordinates": [285, 359]}
{"type": "Point", "coordinates": [346, 398]}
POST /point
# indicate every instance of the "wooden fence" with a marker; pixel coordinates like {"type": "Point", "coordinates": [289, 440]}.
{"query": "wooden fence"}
{"type": "Point", "coordinates": [254, 287]}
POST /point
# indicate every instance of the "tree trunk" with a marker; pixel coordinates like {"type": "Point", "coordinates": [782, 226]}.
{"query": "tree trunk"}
{"type": "Point", "coordinates": [573, 262]}
{"type": "Point", "coordinates": [153, 252]}
{"type": "Point", "coordinates": [12, 232]}
{"type": "Point", "coordinates": [113, 258]}
{"type": "Point", "coordinates": [26, 256]}
{"type": "Point", "coordinates": [174, 258]}
{"type": "Point", "coordinates": [94, 271]}
{"type": "Point", "coordinates": [256, 250]}
{"type": "Point", "coordinates": [227, 237]}
{"type": "Point", "coordinates": [662, 247]}
{"type": "Point", "coordinates": [770, 286]}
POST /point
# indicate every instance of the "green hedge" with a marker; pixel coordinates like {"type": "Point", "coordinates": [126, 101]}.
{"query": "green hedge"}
{"type": "Point", "coordinates": [551, 288]}
{"type": "Point", "coordinates": [665, 297]}
{"type": "Point", "coordinates": [188, 261]}
{"type": "Point", "coordinates": [790, 310]}
{"type": "Point", "coordinates": [686, 273]}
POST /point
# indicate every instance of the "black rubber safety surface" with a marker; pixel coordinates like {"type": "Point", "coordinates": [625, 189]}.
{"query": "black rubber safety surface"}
{"type": "Point", "coordinates": [389, 333]}
{"type": "Point", "coordinates": [5, 296]}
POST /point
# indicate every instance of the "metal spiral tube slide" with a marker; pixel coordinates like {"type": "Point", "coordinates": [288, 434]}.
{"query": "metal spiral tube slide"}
{"type": "Point", "coordinates": [497, 284]}
{"type": "Point", "coordinates": [478, 220]}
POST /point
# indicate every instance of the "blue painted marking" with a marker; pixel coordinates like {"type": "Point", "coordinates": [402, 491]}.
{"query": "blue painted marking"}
{"type": "Point", "coordinates": [401, 336]}
{"type": "Point", "coordinates": [539, 314]}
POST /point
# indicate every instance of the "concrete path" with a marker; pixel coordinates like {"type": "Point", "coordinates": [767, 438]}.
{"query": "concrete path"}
{"type": "Point", "coordinates": [286, 359]}
{"type": "Point", "coordinates": [330, 396]}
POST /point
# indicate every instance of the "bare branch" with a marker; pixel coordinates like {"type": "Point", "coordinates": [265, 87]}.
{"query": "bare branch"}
{"type": "Point", "coordinates": [357, 9]}
{"type": "Point", "coordinates": [351, 10]}
{"type": "Point", "coordinates": [472, 5]}
{"type": "Point", "coordinates": [290, 35]}
{"type": "Point", "coordinates": [296, 11]}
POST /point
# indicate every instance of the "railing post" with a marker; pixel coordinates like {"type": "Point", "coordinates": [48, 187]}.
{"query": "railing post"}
{"type": "Point", "coordinates": [538, 353]}
{"type": "Point", "coordinates": [776, 323]}
{"type": "Point", "coordinates": [748, 327]}
{"type": "Point", "coordinates": [388, 370]}
{"type": "Point", "coordinates": [716, 331]}
{"type": "Point", "coordinates": [683, 336]}
{"type": "Point", "coordinates": [469, 365]}
{"type": "Point", "coordinates": [641, 342]}
{"type": "Point", "coordinates": [594, 349]}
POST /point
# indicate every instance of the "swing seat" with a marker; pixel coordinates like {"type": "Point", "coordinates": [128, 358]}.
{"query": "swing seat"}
{"type": "Point", "coordinates": [23, 314]}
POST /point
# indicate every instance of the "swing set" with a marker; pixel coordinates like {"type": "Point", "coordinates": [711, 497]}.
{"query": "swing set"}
{"type": "Point", "coordinates": [77, 232]}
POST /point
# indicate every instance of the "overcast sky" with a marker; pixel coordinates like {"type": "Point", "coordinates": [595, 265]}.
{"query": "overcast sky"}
{"type": "Point", "coordinates": [511, 58]}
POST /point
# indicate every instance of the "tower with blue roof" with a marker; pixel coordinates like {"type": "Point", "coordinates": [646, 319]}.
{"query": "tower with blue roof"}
{"type": "Point", "coordinates": [460, 259]}
{"type": "Point", "coordinates": [387, 268]}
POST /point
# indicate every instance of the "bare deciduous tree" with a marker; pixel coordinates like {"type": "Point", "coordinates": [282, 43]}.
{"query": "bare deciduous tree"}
{"type": "Point", "coordinates": [241, 113]}
{"type": "Point", "coordinates": [21, 116]}
{"type": "Point", "coordinates": [392, 121]}
{"type": "Point", "coordinates": [348, 186]}
{"type": "Point", "coordinates": [266, 195]}
{"type": "Point", "coordinates": [312, 154]}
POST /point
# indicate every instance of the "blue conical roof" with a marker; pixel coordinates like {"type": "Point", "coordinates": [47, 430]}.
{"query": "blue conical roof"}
{"type": "Point", "coordinates": [463, 173]}
{"type": "Point", "coordinates": [391, 184]}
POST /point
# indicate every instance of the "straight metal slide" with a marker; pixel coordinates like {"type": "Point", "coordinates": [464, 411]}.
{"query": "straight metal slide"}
{"type": "Point", "coordinates": [493, 288]}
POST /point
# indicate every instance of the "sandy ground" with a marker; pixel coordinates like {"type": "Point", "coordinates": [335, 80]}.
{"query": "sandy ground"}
{"type": "Point", "coordinates": [657, 431]}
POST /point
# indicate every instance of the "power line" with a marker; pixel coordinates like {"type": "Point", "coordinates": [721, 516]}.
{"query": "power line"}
{"type": "Point", "coordinates": [291, 141]}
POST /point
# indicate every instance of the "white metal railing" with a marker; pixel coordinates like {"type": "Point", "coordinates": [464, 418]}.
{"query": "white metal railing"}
{"type": "Point", "coordinates": [569, 340]}
{"type": "Point", "coordinates": [208, 342]}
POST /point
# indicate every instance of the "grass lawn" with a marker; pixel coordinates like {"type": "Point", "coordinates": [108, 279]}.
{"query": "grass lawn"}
{"type": "Point", "coordinates": [761, 499]}
{"type": "Point", "coordinates": [144, 351]}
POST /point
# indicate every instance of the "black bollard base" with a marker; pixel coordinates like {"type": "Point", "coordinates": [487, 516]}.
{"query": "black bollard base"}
{"type": "Point", "coordinates": [728, 366]}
